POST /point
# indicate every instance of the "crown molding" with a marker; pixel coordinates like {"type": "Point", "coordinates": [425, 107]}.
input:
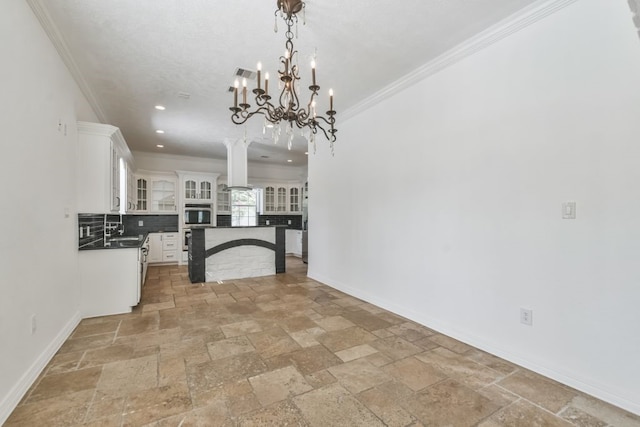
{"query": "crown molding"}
{"type": "Point", "coordinates": [40, 10]}
{"type": "Point", "coordinates": [512, 24]}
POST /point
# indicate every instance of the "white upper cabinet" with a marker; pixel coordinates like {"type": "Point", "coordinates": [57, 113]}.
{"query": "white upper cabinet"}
{"type": "Point", "coordinates": [104, 161]}
{"type": "Point", "coordinates": [223, 202]}
{"type": "Point", "coordinates": [142, 193]}
{"type": "Point", "coordinates": [280, 198]}
{"type": "Point", "coordinates": [163, 193]}
{"type": "Point", "coordinates": [198, 188]}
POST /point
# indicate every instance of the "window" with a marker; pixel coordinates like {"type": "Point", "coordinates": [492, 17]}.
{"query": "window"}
{"type": "Point", "coordinates": [244, 208]}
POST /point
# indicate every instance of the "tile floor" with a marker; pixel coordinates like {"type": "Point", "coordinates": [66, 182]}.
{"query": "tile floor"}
{"type": "Point", "coordinates": [285, 350]}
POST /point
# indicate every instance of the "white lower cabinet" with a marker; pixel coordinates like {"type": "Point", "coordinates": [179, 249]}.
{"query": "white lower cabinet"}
{"type": "Point", "coordinates": [163, 247]}
{"type": "Point", "coordinates": [293, 242]}
{"type": "Point", "coordinates": [109, 280]}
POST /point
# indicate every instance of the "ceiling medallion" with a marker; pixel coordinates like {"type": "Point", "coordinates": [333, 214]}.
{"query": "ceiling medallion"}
{"type": "Point", "coordinates": [288, 111]}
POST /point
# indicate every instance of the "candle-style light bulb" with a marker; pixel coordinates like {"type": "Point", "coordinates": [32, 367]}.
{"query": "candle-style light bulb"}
{"type": "Point", "coordinates": [266, 83]}
{"type": "Point", "coordinates": [313, 72]}
{"type": "Point", "coordinates": [330, 99]}
{"type": "Point", "coordinates": [259, 71]}
{"type": "Point", "coordinates": [235, 93]}
{"type": "Point", "coordinates": [286, 62]}
{"type": "Point", "coordinates": [244, 91]}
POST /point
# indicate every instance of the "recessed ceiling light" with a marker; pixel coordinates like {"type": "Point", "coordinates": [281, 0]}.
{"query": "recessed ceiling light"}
{"type": "Point", "coordinates": [289, 161]}
{"type": "Point", "coordinates": [159, 131]}
{"type": "Point", "coordinates": [160, 107]}
{"type": "Point", "coordinates": [306, 153]}
{"type": "Point", "coordinates": [160, 146]}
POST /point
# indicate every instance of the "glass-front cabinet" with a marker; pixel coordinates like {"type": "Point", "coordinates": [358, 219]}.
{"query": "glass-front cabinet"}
{"type": "Point", "coordinates": [223, 199]}
{"type": "Point", "coordinates": [198, 187]}
{"type": "Point", "coordinates": [295, 205]}
{"type": "Point", "coordinates": [163, 195]}
{"type": "Point", "coordinates": [142, 194]}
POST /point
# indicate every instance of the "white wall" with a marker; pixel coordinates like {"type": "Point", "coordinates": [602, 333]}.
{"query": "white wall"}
{"type": "Point", "coordinates": [38, 249]}
{"type": "Point", "coordinates": [257, 172]}
{"type": "Point", "coordinates": [451, 213]}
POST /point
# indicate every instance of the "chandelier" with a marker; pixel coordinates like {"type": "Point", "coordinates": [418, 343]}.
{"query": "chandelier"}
{"type": "Point", "coordinates": [287, 111]}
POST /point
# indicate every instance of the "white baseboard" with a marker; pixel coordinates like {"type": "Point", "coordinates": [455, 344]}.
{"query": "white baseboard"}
{"type": "Point", "coordinates": [599, 391]}
{"type": "Point", "coordinates": [11, 400]}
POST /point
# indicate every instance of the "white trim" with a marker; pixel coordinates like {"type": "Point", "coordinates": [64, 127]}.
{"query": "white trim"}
{"type": "Point", "coordinates": [514, 23]}
{"type": "Point", "coordinates": [600, 391]}
{"type": "Point", "coordinates": [11, 400]}
{"type": "Point", "coordinates": [58, 42]}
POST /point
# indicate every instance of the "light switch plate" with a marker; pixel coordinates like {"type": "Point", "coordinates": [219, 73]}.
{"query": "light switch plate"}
{"type": "Point", "coordinates": [569, 210]}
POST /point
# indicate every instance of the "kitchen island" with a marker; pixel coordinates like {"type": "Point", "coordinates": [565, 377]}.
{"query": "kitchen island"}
{"type": "Point", "coordinates": [223, 253]}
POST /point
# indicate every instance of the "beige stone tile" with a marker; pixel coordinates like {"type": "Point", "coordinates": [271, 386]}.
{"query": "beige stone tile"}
{"type": "Point", "coordinates": [104, 355]}
{"type": "Point", "coordinates": [127, 376]}
{"type": "Point", "coordinates": [581, 419]}
{"type": "Point", "coordinates": [104, 407]}
{"type": "Point", "coordinates": [396, 348]}
{"type": "Point", "coordinates": [146, 322]}
{"type": "Point", "coordinates": [382, 333]}
{"type": "Point", "coordinates": [604, 411]}
{"type": "Point", "coordinates": [426, 344]}
{"type": "Point", "coordinates": [158, 306]}
{"type": "Point", "coordinates": [359, 375]}
{"type": "Point", "coordinates": [281, 384]}
{"type": "Point", "coordinates": [411, 331]}
{"type": "Point", "coordinates": [307, 337]}
{"type": "Point", "coordinates": [280, 414]}
{"type": "Point", "coordinates": [449, 403]}
{"type": "Point", "coordinates": [378, 359]}
{"type": "Point", "coordinates": [346, 338]}
{"type": "Point", "coordinates": [332, 405]}
{"type": "Point", "coordinates": [539, 390]}
{"type": "Point", "coordinates": [499, 395]}
{"type": "Point", "coordinates": [240, 328]}
{"type": "Point", "coordinates": [320, 379]}
{"type": "Point", "coordinates": [413, 373]}
{"type": "Point", "coordinates": [387, 410]}
{"type": "Point", "coordinates": [86, 343]}
{"type": "Point", "coordinates": [155, 404]}
{"type": "Point", "coordinates": [243, 403]}
{"type": "Point", "coordinates": [64, 383]}
{"type": "Point", "coordinates": [215, 414]}
{"type": "Point", "coordinates": [85, 329]}
{"type": "Point", "coordinates": [334, 323]}
{"type": "Point", "coordinates": [110, 421]}
{"type": "Point", "coordinates": [59, 410]}
{"type": "Point", "coordinates": [203, 378]}
{"type": "Point", "coordinates": [491, 361]}
{"type": "Point", "coordinates": [171, 371]}
{"type": "Point", "coordinates": [356, 352]}
{"type": "Point", "coordinates": [366, 320]}
{"type": "Point", "coordinates": [64, 362]}
{"type": "Point", "coordinates": [523, 414]}
{"type": "Point", "coordinates": [273, 342]}
{"type": "Point", "coordinates": [297, 323]}
{"type": "Point", "coordinates": [450, 343]}
{"type": "Point", "coordinates": [312, 359]}
{"type": "Point", "coordinates": [466, 371]}
{"type": "Point", "coordinates": [229, 347]}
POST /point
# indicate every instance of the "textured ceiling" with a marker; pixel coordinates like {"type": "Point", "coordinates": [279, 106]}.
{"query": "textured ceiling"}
{"type": "Point", "coordinates": [134, 54]}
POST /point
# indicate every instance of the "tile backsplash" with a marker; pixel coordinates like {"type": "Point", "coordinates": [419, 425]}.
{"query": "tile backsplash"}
{"type": "Point", "coordinates": [91, 226]}
{"type": "Point", "coordinates": [296, 220]}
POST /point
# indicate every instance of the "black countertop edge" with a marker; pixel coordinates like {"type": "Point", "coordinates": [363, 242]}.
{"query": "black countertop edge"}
{"type": "Point", "coordinates": [101, 244]}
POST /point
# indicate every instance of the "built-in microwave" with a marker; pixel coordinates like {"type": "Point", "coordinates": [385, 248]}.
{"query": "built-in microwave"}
{"type": "Point", "coordinates": [197, 214]}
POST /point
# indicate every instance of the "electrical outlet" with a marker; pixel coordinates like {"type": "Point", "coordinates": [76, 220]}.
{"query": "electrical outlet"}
{"type": "Point", "coordinates": [526, 316]}
{"type": "Point", "coordinates": [267, 222]}
{"type": "Point", "coordinates": [289, 222]}
{"type": "Point", "coordinates": [34, 324]}
{"type": "Point", "coordinates": [140, 223]}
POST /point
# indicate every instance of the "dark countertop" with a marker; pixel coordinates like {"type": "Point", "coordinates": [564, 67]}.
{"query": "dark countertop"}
{"type": "Point", "coordinates": [116, 243]}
